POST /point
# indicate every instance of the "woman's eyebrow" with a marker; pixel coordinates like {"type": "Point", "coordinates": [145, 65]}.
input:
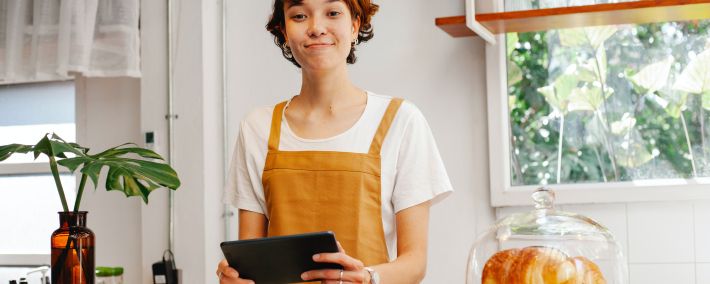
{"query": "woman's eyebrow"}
{"type": "Point", "coordinates": [294, 3]}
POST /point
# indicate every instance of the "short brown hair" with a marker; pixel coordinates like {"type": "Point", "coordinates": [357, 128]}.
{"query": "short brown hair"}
{"type": "Point", "coordinates": [362, 10]}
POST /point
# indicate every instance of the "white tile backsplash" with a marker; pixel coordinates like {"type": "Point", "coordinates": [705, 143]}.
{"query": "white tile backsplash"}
{"type": "Point", "coordinates": [665, 242]}
{"type": "Point", "coordinates": [611, 216]}
{"type": "Point", "coordinates": [661, 232]}
{"type": "Point", "coordinates": [702, 273]}
{"type": "Point", "coordinates": [702, 232]}
{"type": "Point", "coordinates": [502, 212]}
{"type": "Point", "coordinates": [663, 274]}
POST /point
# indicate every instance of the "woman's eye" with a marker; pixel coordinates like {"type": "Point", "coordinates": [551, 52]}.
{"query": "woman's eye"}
{"type": "Point", "coordinates": [334, 13]}
{"type": "Point", "coordinates": [298, 17]}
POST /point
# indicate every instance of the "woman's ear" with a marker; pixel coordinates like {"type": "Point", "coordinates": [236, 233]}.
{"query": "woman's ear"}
{"type": "Point", "coordinates": [283, 32]}
{"type": "Point", "coordinates": [356, 27]}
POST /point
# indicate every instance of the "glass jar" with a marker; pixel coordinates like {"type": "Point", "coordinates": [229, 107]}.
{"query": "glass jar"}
{"type": "Point", "coordinates": [109, 275]}
{"type": "Point", "coordinates": [72, 250]}
{"type": "Point", "coordinates": [546, 246]}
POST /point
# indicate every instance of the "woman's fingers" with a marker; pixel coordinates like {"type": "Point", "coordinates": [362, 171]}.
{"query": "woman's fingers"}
{"type": "Point", "coordinates": [326, 275]}
{"type": "Point", "coordinates": [223, 270]}
{"type": "Point", "coordinates": [229, 275]}
{"type": "Point", "coordinates": [348, 262]}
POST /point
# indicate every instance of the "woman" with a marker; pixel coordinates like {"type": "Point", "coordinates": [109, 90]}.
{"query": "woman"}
{"type": "Point", "coordinates": [336, 157]}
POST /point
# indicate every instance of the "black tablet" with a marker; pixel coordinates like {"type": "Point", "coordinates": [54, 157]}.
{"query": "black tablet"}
{"type": "Point", "coordinates": [279, 259]}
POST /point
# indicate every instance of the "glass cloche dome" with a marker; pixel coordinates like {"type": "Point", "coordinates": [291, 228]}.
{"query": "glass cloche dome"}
{"type": "Point", "coordinates": [546, 246]}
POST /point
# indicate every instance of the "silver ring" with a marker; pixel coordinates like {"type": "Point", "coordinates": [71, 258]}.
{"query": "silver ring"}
{"type": "Point", "coordinates": [340, 278]}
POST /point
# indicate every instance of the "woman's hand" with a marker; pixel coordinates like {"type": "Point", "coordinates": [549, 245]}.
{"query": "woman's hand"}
{"type": "Point", "coordinates": [353, 269]}
{"type": "Point", "coordinates": [228, 275]}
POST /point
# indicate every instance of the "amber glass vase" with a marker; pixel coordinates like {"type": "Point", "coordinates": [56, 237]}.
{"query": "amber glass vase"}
{"type": "Point", "coordinates": [72, 250]}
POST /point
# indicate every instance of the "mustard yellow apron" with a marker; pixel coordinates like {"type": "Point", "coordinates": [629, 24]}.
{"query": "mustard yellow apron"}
{"type": "Point", "coordinates": [311, 191]}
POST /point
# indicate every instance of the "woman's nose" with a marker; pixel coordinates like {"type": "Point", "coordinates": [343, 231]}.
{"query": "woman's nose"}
{"type": "Point", "coordinates": [316, 27]}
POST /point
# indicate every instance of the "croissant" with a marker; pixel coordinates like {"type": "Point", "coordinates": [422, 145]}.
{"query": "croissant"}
{"type": "Point", "coordinates": [540, 265]}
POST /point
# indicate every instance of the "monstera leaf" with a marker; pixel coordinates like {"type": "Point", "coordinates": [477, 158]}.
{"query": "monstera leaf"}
{"type": "Point", "coordinates": [623, 126]}
{"type": "Point", "coordinates": [558, 93]}
{"type": "Point", "coordinates": [673, 102]}
{"type": "Point", "coordinates": [515, 74]}
{"type": "Point", "coordinates": [633, 152]}
{"type": "Point", "coordinates": [126, 171]}
{"type": "Point", "coordinates": [595, 68]}
{"type": "Point", "coordinates": [133, 177]}
{"type": "Point", "coordinates": [511, 41]}
{"type": "Point", "coordinates": [595, 131]}
{"type": "Point", "coordinates": [587, 98]}
{"type": "Point", "coordinates": [695, 79]}
{"type": "Point", "coordinates": [7, 150]}
{"type": "Point", "coordinates": [592, 37]}
{"type": "Point", "coordinates": [653, 77]}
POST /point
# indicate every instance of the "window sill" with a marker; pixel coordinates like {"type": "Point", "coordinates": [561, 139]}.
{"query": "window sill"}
{"type": "Point", "coordinates": [24, 259]}
{"type": "Point", "coordinates": [612, 192]}
{"type": "Point", "coordinates": [29, 168]}
{"type": "Point", "coordinates": [637, 12]}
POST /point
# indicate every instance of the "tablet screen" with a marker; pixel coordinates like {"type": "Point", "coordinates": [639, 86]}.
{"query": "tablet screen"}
{"type": "Point", "coordinates": [279, 259]}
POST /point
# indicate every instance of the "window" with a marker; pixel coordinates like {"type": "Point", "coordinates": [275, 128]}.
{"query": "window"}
{"type": "Point", "coordinates": [28, 197]}
{"type": "Point", "coordinates": [611, 113]}
{"type": "Point", "coordinates": [519, 5]}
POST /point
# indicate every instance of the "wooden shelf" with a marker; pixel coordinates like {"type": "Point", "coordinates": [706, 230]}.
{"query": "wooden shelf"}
{"type": "Point", "coordinates": [638, 12]}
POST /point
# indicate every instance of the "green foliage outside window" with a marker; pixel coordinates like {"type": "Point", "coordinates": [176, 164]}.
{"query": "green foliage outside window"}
{"type": "Point", "coordinates": [610, 103]}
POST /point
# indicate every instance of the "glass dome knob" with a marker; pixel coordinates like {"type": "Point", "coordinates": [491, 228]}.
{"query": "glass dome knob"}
{"type": "Point", "coordinates": [543, 198]}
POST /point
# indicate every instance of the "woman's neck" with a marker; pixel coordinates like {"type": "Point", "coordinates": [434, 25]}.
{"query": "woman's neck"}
{"type": "Point", "coordinates": [328, 90]}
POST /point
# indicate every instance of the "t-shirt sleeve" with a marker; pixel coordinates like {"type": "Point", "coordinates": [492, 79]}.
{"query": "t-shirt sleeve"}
{"type": "Point", "coordinates": [241, 190]}
{"type": "Point", "coordinates": [421, 175]}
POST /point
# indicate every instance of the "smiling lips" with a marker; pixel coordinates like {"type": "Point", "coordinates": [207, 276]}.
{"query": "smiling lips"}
{"type": "Point", "coordinates": [319, 45]}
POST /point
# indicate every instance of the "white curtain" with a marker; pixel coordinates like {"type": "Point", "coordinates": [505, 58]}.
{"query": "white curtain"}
{"type": "Point", "coordinates": [44, 40]}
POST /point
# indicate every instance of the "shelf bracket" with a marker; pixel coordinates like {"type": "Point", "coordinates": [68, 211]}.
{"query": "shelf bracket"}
{"type": "Point", "coordinates": [475, 26]}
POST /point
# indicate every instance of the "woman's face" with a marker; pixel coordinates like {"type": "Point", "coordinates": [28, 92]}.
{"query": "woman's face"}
{"type": "Point", "coordinates": [320, 33]}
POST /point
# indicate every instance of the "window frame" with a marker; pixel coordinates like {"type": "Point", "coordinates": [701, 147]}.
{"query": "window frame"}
{"type": "Point", "coordinates": [37, 168]}
{"type": "Point", "coordinates": [16, 169]}
{"type": "Point", "coordinates": [25, 259]}
{"type": "Point", "coordinates": [28, 169]}
{"type": "Point", "coordinates": [505, 194]}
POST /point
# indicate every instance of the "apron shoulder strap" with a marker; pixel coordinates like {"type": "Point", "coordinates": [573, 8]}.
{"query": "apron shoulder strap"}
{"type": "Point", "coordinates": [275, 135]}
{"type": "Point", "coordinates": [385, 124]}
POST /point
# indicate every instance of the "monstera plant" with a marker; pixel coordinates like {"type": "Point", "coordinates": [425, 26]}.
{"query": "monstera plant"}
{"type": "Point", "coordinates": [126, 173]}
{"type": "Point", "coordinates": [132, 170]}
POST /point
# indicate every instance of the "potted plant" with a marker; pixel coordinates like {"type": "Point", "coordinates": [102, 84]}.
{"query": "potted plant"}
{"type": "Point", "coordinates": [133, 170]}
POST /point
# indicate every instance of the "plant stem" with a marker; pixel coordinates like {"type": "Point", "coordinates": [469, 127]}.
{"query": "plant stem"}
{"type": "Point", "coordinates": [80, 193]}
{"type": "Point", "coordinates": [601, 165]}
{"type": "Point", "coordinates": [83, 261]}
{"type": "Point", "coordinates": [702, 130]}
{"type": "Point", "coordinates": [690, 148]}
{"type": "Point", "coordinates": [610, 147]}
{"type": "Point", "coordinates": [62, 257]}
{"type": "Point", "coordinates": [559, 147]}
{"type": "Point", "coordinates": [55, 174]}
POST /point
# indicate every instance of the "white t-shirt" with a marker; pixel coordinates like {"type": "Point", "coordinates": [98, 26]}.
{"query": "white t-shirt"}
{"type": "Point", "coordinates": [412, 169]}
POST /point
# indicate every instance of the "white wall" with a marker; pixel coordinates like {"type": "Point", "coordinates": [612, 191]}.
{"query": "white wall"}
{"type": "Point", "coordinates": [408, 57]}
{"type": "Point", "coordinates": [153, 108]}
{"type": "Point", "coordinates": [198, 148]}
{"type": "Point", "coordinates": [109, 115]}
